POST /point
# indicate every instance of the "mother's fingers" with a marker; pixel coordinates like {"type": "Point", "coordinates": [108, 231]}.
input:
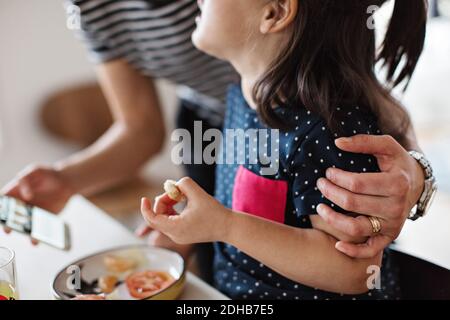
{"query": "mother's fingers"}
{"type": "Point", "coordinates": [355, 227]}
{"type": "Point", "coordinates": [349, 201]}
{"type": "Point", "coordinates": [368, 144]}
{"type": "Point", "coordinates": [11, 189]}
{"type": "Point", "coordinates": [370, 249]}
{"type": "Point", "coordinates": [7, 230]}
{"type": "Point", "coordinates": [375, 184]}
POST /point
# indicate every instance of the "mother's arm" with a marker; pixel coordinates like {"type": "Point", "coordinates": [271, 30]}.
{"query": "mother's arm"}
{"type": "Point", "coordinates": [136, 134]}
{"type": "Point", "coordinates": [389, 195]}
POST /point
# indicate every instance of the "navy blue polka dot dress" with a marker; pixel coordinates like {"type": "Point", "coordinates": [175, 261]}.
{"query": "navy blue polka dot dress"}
{"type": "Point", "coordinates": [288, 194]}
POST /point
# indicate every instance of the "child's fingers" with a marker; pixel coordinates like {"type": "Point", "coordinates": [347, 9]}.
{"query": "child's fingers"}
{"type": "Point", "coordinates": [165, 223]}
{"type": "Point", "coordinates": [159, 222]}
{"type": "Point", "coordinates": [189, 188]}
{"type": "Point", "coordinates": [164, 205]}
{"type": "Point", "coordinates": [143, 230]}
{"type": "Point", "coordinates": [146, 210]}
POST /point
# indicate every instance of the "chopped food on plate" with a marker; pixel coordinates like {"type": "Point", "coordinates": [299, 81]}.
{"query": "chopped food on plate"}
{"type": "Point", "coordinates": [144, 284]}
{"type": "Point", "coordinates": [118, 264]}
{"type": "Point", "coordinates": [89, 297]}
{"type": "Point", "coordinates": [108, 283]}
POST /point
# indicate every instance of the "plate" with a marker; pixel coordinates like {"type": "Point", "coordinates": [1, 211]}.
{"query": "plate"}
{"type": "Point", "coordinates": [81, 276]}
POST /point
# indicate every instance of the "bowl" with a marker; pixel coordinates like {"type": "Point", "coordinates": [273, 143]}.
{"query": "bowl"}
{"type": "Point", "coordinates": [81, 276]}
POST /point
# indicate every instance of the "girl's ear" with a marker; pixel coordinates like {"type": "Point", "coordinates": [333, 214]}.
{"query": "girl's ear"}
{"type": "Point", "coordinates": [278, 15]}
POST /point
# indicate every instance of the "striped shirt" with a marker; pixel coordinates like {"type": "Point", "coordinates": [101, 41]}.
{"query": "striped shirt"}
{"type": "Point", "coordinates": [154, 36]}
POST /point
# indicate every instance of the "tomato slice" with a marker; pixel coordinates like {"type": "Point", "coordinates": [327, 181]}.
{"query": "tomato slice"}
{"type": "Point", "coordinates": [144, 284]}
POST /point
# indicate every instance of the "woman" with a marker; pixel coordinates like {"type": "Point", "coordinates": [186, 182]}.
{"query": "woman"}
{"type": "Point", "coordinates": [133, 42]}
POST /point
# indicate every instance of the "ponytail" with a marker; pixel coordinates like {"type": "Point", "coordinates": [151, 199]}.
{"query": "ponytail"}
{"type": "Point", "coordinates": [404, 39]}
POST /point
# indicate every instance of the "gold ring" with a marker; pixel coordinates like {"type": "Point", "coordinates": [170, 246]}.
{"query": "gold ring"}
{"type": "Point", "coordinates": [376, 224]}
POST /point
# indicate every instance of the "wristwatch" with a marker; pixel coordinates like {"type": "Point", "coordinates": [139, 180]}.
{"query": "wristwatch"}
{"type": "Point", "coordinates": [430, 189]}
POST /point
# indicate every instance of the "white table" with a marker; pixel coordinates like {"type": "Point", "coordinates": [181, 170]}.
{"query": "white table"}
{"type": "Point", "coordinates": [91, 230]}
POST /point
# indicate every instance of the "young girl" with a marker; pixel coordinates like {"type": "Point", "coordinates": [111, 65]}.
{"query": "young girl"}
{"type": "Point", "coordinates": [307, 69]}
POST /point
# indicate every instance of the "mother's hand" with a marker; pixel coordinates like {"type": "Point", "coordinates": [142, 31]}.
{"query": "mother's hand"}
{"type": "Point", "coordinates": [389, 195]}
{"type": "Point", "coordinates": [42, 186]}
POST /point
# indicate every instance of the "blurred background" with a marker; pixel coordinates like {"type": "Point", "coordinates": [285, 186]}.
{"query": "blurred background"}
{"type": "Point", "coordinates": [42, 64]}
{"type": "Point", "coordinates": [41, 61]}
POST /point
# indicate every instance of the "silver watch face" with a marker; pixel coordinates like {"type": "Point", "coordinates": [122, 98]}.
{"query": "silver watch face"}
{"type": "Point", "coordinates": [430, 199]}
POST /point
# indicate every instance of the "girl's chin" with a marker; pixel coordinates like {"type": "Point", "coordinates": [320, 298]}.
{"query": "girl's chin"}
{"type": "Point", "coordinates": [202, 44]}
{"type": "Point", "coordinates": [199, 39]}
{"type": "Point", "coordinates": [196, 39]}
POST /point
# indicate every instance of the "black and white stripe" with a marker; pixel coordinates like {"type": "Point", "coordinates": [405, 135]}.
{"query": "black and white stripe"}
{"type": "Point", "coordinates": [155, 37]}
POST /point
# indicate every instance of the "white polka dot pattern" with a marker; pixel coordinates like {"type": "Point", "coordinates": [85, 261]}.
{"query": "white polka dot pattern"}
{"type": "Point", "coordinates": [305, 153]}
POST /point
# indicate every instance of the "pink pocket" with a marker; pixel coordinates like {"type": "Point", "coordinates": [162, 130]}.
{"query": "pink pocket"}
{"type": "Point", "coordinates": [259, 196]}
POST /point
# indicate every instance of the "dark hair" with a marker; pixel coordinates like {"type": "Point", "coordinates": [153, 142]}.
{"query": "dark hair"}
{"type": "Point", "coordinates": [330, 62]}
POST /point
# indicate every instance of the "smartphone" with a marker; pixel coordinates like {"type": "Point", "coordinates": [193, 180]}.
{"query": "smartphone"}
{"type": "Point", "coordinates": [36, 222]}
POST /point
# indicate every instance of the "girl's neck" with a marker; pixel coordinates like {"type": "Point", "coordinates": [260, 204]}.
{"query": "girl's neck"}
{"type": "Point", "coordinates": [255, 59]}
{"type": "Point", "coordinates": [247, 85]}
{"type": "Point", "coordinates": [250, 73]}
{"type": "Point", "coordinates": [251, 67]}
{"type": "Point", "coordinates": [251, 64]}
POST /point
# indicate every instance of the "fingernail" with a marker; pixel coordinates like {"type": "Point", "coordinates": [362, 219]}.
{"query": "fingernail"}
{"type": "Point", "coordinates": [145, 205]}
{"type": "Point", "coordinates": [344, 140]}
{"type": "Point", "coordinates": [319, 209]}
{"type": "Point", "coordinates": [321, 183]}
{"type": "Point", "coordinates": [329, 173]}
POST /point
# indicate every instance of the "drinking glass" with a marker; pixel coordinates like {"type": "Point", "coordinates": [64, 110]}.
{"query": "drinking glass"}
{"type": "Point", "coordinates": [8, 280]}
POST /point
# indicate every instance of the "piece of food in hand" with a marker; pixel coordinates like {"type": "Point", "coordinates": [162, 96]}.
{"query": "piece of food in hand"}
{"type": "Point", "coordinates": [142, 285]}
{"type": "Point", "coordinates": [107, 283]}
{"type": "Point", "coordinates": [89, 297]}
{"type": "Point", "coordinates": [117, 264]}
{"type": "Point", "coordinates": [172, 191]}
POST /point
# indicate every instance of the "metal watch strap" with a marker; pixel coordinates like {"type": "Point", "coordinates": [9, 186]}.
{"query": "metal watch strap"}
{"type": "Point", "coordinates": [430, 185]}
{"type": "Point", "coordinates": [423, 162]}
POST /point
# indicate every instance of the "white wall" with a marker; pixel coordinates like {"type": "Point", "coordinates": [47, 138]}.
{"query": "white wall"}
{"type": "Point", "coordinates": [38, 56]}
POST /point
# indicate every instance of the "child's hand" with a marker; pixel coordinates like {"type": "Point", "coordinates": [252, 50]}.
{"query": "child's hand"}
{"type": "Point", "coordinates": [203, 219]}
{"type": "Point", "coordinates": [160, 240]}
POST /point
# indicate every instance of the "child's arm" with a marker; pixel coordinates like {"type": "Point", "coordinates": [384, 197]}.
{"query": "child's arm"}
{"type": "Point", "coordinates": [307, 256]}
